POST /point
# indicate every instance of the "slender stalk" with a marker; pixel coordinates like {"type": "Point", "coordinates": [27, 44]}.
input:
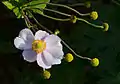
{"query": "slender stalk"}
{"type": "Point", "coordinates": [26, 23]}
{"type": "Point", "coordinates": [61, 5]}
{"type": "Point", "coordinates": [26, 19]}
{"type": "Point", "coordinates": [116, 2]}
{"type": "Point", "coordinates": [90, 23]}
{"type": "Point", "coordinates": [77, 4]}
{"type": "Point", "coordinates": [41, 9]}
{"type": "Point", "coordinates": [74, 51]}
{"type": "Point", "coordinates": [58, 12]}
{"type": "Point", "coordinates": [58, 19]}
{"type": "Point", "coordinates": [39, 23]}
{"type": "Point", "coordinates": [61, 39]}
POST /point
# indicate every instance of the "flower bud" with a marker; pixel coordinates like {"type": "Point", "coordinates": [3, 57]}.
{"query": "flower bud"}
{"type": "Point", "coordinates": [69, 57]}
{"type": "Point", "coordinates": [88, 4]}
{"type": "Point", "coordinates": [46, 74]}
{"type": "Point", "coordinates": [95, 62]}
{"type": "Point", "coordinates": [57, 32]}
{"type": "Point", "coordinates": [106, 26]}
{"type": "Point", "coordinates": [73, 19]}
{"type": "Point", "coordinates": [94, 15]}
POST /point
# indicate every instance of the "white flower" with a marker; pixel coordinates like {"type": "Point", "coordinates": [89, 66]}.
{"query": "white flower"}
{"type": "Point", "coordinates": [44, 48]}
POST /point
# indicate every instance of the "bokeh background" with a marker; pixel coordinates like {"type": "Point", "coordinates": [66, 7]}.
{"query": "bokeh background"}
{"type": "Point", "coordinates": [84, 39]}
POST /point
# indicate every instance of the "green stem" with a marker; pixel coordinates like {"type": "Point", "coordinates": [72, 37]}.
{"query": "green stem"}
{"type": "Point", "coordinates": [65, 6]}
{"type": "Point", "coordinates": [74, 51]}
{"type": "Point", "coordinates": [58, 19]}
{"type": "Point", "coordinates": [116, 2]}
{"type": "Point", "coordinates": [39, 23]}
{"type": "Point", "coordinates": [41, 9]}
{"type": "Point", "coordinates": [58, 12]}
{"type": "Point", "coordinates": [26, 19]}
{"type": "Point", "coordinates": [77, 4]}
{"type": "Point", "coordinates": [26, 23]}
{"type": "Point", "coordinates": [61, 39]}
{"type": "Point", "coordinates": [90, 23]}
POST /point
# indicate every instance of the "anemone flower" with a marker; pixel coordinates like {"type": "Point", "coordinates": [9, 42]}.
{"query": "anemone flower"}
{"type": "Point", "coordinates": [42, 47]}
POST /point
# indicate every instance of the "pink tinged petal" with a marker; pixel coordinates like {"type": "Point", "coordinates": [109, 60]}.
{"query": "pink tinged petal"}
{"type": "Point", "coordinates": [27, 36]}
{"type": "Point", "coordinates": [48, 58]}
{"type": "Point", "coordinates": [56, 50]}
{"type": "Point", "coordinates": [19, 43]}
{"type": "Point", "coordinates": [41, 62]}
{"type": "Point", "coordinates": [56, 61]}
{"type": "Point", "coordinates": [52, 40]}
{"type": "Point", "coordinates": [40, 35]}
{"type": "Point", "coordinates": [29, 55]}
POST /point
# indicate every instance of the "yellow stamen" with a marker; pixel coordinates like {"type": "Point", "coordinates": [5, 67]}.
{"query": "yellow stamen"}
{"type": "Point", "coordinates": [38, 46]}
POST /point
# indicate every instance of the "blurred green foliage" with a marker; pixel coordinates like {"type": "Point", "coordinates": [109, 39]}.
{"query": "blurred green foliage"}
{"type": "Point", "coordinates": [17, 5]}
{"type": "Point", "coordinates": [84, 39]}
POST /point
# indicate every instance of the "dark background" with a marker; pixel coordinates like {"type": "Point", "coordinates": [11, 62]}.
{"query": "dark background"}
{"type": "Point", "coordinates": [84, 39]}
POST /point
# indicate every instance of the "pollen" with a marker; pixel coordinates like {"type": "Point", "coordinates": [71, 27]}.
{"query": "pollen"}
{"type": "Point", "coordinates": [38, 46]}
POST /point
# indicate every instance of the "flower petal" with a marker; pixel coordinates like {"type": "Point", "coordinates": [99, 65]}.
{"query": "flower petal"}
{"type": "Point", "coordinates": [26, 34]}
{"type": "Point", "coordinates": [28, 37]}
{"type": "Point", "coordinates": [48, 57]}
{"type": "Point", "coordinates": [41, 62]}
{"type": "Point", "coordinates": [56, 61]}
{"type": "Point", "coordinates": [40, 35]}
{"type": "Point", "coordinates": [52, 40]}
{"type": "Point", "coordinates": [56, 50]}
{"type": "Point", "coordinates": [19, 43]}
{"type": "Point", "coordinates": [54, 46]}
{"type": "Point", "coordinates": [29, 55]}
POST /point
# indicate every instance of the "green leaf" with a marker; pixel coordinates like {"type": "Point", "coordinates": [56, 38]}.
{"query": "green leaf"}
{"type": "Point", "coordinates": [15, 8]}
{"type": "Point", "coordinates": [16, 5]}
{"type": "Point", "coordinates": [8, 4]}
{"type": "Point", "coordinates": [17, 12]}
{"type": "Point", "coordinates": [17, 0]}
{"type": "Point", "coordinates": [35, 4]}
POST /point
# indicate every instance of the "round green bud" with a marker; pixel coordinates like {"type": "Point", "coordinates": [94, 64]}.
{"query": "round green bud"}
{"type": "Point", "coordinates": [95, 62]}
{"type": "Point", "coordinates": [106, 26]}
{"type": "Point", "coordinates": [69, 57]}
{"type": "Point", "coordinates": [46, 74]}
{"type": "Point", "coordinates": [57, 32]}
{"type": "Point", "coordinates": [94, 15]}
{"type": "Point", "coordinates": [88, 4]}
{"type": "Point", "coordinates": [73, 19]}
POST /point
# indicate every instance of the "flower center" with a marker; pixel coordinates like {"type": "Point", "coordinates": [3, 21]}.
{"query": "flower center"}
{"type": "Point", "coordinates": [38, 46]}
